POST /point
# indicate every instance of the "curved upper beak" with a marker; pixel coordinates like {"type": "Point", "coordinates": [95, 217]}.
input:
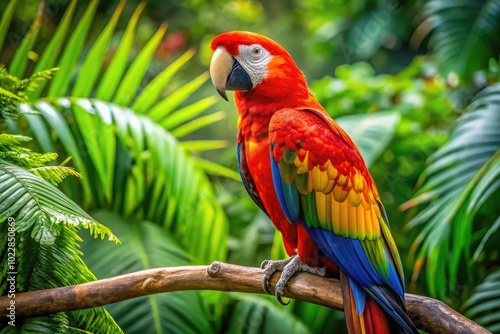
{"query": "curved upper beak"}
{"type": "Point", "coordinates": [227, 73]}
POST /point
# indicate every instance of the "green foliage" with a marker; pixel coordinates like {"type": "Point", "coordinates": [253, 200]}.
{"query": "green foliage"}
{"type": "Point", "coordinates": [40, 223]}
{"type": "Point", "coordinates": [484, 303]}
{"type": "Point", "coordinates": [371, 133]}
{"type": "Point", "coordinates": [117, 111]}
{"type": "Point", "coordinates": [461, 179]}
{"type": "Point", "coordinates": [464, 35]}
{"type": "Point", "coordinates": [141, 186]}
{"type": "Point", "coordinates": [40, 207]}
{"type": "Point", "coordinates": [45, 224]}
{"type": "Point", "coordinates": [145, 245]}
{"type": "Point", "coordinates": [13, 90]}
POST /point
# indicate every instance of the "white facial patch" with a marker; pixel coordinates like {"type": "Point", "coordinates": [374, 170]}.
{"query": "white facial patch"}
{"type": "Point", "coordinates": [254, 59]}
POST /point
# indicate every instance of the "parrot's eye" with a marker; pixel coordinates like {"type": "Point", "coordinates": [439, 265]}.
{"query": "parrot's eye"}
{"type": "Point", "coordinates": [256, 51]}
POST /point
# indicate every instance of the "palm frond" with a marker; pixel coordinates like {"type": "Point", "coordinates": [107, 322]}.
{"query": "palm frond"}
{"type": "Point", "coordinates": [55, 323]}
{"type": "Point", "coordinates": [6, 19]}
{"type": "Point", "coordinates": [20, 59]}
{"type": "Point", "coordinates": [483, 306]}
{"type": "Point", "coordinates": [59, 264]}
{"type": "Point", "coordinates": [155, 180]}
{"type": "Point", "coordinates": [464, 35]}
{"type": "Point", "coordinates": [460, 178]}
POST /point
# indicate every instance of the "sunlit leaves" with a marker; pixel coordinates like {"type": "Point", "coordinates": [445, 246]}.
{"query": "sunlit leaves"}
{"type": "Point", "coordinates": [460, 178]}
{"type": "Point", "coordinates": [463, 34]}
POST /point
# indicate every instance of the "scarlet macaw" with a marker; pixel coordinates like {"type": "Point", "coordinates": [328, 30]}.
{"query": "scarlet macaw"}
{"type": "Point", "coordinates": [308, 176]}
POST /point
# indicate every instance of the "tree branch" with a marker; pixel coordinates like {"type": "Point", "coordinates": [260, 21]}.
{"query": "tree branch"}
{"type": "Point", "coordinates": [428, 314]}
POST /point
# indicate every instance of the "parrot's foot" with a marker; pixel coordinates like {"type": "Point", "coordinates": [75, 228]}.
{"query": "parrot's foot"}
{"type": "Point", "coordinates": [288, 267]}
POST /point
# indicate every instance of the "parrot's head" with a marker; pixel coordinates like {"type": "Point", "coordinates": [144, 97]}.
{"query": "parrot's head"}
{"type": "Point", "coordinates": [255, 67]}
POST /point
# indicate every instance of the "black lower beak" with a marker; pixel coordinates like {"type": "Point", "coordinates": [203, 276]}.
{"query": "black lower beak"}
{"type": "Point", "coordinates": [238, 78]}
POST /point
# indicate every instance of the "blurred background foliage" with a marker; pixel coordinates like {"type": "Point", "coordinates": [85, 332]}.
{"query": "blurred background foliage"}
{"type": "Point", "coordinates": [415, 83]}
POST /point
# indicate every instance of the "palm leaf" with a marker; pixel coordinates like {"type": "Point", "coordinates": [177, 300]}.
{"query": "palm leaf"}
{"type": "Point", "coordinates": [112, 86]}
{"type": "Point", "coordinates": [145, 245]}
{"type": "Point", "coordinates": [20, 59]}
{"type": "Point", "coordinates": [460, 178]}
{"type": "Point", "coordinates": [155, 180]}
{"type": "Point", "coordinates": [53, 49]}
{"type": "Point", "coordinates": [89, 71]}
{"type": "Point", "coordinates": [464, 35]}
{"type": "Point", "coordinates": [111, 78]}
{"type": "Point", "coordinates": [6, 19]}
{"type": "Point", "coordinates": [60, 84]}
{"type": "Point", "coordinates": [483, 306]}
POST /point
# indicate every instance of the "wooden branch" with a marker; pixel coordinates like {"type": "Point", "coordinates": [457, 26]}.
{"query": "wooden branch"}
{"type": "Point", "coordinates": [428, 314]}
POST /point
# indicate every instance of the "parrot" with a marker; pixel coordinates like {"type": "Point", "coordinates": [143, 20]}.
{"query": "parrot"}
{"type": "Point", "coordinates": [310, 179]}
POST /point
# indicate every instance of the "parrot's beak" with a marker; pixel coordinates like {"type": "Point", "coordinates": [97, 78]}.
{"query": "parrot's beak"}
{"type": "Point", "coordinates": [227, 73]}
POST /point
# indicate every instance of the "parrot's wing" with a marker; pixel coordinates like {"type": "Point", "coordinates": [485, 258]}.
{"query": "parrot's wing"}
{"type": "Point", "coordinates": [322, 182]}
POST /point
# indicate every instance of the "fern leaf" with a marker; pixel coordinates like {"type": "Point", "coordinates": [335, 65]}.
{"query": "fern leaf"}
{"type": "Point", "coordinates": [39, 205]}
{"type": "Point", "coordinates": [55, 174]}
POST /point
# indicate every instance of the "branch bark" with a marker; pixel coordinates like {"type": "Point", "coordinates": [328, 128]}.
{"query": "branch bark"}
{"type": "Point", "coordinates": [428, 314]}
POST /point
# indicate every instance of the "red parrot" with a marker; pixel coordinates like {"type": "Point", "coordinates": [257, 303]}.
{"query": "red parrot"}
{"type": "Point", "coordinates": [309, 177]}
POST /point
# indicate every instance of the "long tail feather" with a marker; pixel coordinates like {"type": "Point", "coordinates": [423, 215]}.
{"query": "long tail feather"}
{"type": "Point", "coordinates": [363, 315]}
{"type": "Point", "coordinates": [373, 310]}
{"type": "Point", "coordinates": [354, 322]}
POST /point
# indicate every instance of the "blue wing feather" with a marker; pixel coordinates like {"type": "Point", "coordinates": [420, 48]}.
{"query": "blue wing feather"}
{"type": "Point", "coordinates": [288, 195]}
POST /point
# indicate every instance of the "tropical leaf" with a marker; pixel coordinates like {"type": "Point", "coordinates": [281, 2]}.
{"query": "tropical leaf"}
{"type": "Point", "coordinates": [460, 178]}
{"type": "Point", "coordinates": [154, 180]}
{"type": "Point", "coordinates": [19, 61]}
{"type": "Point", "coordinates": [6, 19]}
{"type": "Point", "coordinates": [42, 222]}
{"type": "Point", "coordinates": [370, 132]}
{"type": "Point", "coordinates": [464, 35]}
{"type": "Point", "coordinates": [129, 164]}
{"type": "Point", "coordinates": [60, 84]}
{"type": "Point", "coordinates": [483, 306]}
{"type": "Point", "coordinates": [41, 207]}
{"type": "Point", "coordinates": [53, 49]}
{"type": "Point", "coordinates": [113, 75]}
{"type": "Point", "coordinates": [54, 174]}
{"type": "Point", "coordinates": [120, 80]}
{"type": "Point", "coordinates": [146, 245]}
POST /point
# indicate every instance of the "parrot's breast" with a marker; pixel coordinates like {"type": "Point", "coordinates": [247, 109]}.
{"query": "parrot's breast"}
{"type": "Point", "coordinates": [254, 136]}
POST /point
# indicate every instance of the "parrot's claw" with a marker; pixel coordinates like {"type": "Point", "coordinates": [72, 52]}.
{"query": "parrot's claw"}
{"type": "Point", "coordinates": [288, 267]}
{"type": "Point", "coordinates": [270, 267]}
